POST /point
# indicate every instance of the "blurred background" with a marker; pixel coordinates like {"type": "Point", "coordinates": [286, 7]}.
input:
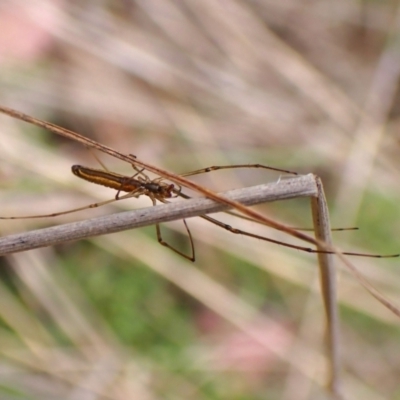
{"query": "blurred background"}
{"type": "Point", "coordinates": [309, 86]}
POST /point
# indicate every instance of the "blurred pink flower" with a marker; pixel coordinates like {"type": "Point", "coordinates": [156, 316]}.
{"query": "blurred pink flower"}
{"type": "Point", "coordinates": [249, 355]}
{"type": "Point", "coordinates": [25, 30]}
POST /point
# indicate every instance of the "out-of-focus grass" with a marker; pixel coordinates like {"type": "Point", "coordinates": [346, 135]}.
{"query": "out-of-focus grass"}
{"type": "Point", "coordinates": [184, 85]}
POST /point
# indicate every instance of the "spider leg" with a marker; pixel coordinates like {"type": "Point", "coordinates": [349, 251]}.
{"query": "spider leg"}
{"type": "Point", "coordinates": [191, 257]}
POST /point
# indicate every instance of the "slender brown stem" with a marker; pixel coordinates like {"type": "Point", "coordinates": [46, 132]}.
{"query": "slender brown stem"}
{"type": "Point", "coordinates": [206, 192]}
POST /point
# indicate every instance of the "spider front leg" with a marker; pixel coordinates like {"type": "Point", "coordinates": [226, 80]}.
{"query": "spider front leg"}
{"type": "Point", "coordinates": [138, 171]}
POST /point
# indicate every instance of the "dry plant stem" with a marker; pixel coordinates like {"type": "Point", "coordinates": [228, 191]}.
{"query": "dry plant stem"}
{"type": "Point", "coordinates": [166, 174]}
{"type": "Point", "coordinates": [206, 192]}
{"type": "Point", "coordinates": [301, 186]}
{"type": "Point", "coordinates": [322, 231]}
{"type": "Point", "coordinates": [284, 189]}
